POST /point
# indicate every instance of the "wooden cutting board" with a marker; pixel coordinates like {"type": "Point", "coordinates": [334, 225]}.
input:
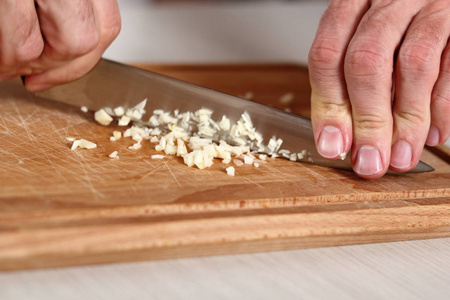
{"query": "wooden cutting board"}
{"type": "Point", "coordinates": [60, 207]}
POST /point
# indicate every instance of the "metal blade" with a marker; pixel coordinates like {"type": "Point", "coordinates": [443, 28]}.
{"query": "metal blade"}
{"type": "Point", "coordinates": [112, 84]}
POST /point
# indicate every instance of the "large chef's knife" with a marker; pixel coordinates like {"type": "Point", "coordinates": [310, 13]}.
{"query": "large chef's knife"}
{"type": "Point", "coordinates": [112, 84]}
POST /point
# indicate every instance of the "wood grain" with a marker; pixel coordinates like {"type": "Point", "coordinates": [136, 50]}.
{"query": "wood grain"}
{"type": "Point", "coordinates": [60, 207]}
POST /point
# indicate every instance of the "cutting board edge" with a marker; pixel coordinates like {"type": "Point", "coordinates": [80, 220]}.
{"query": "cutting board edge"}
{"type": "Point", "coordinates": [242, 247]}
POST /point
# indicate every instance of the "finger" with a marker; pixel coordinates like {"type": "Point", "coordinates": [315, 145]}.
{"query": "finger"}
{"type": "Point", "coordinates": [439, 130]}
{"type": "Point", "coordinates": [417, 70]}
{"type": "Point", "coordinates": [107, 13]}
{"type": "Point", "coordinates": [68, 72]}
{"type": "Point", "coordinates": [70, 28]}
{"type": "Point", "coordinates": [330, 106]}
{"type": "Point", "coordinates": [368, 73]}
{"type": "Point", "coordinates": [20, 37]}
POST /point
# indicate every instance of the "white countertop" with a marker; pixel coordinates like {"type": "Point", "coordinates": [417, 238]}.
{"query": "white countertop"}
{"type": "Point", "coordinates": [404, 270]}
{"type": "Point", "coordinates": [268, 32]}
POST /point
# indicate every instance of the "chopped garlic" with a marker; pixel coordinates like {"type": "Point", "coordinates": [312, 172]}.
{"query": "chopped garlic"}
{"type": "Point", "coordinates": [238, 162]}
{"type": "Point", "coordinates": [70, 139]}
{"type": "Point", "coordinates": [154, 121]}
{"type": "Point", "coordinates": [114, 155]}
{"type": "Point", "coordinates": [102, 117]}
{"type": "Point", "coordinates": [197, 138]}
{"type": "Point", "coordinates": [140, 106]}
{"type": "Point", "coordinates": [135, 146]}
{"type": "Point", "coordinates": [181, 147]}
{"type": "Point", "coordinates": [199, 158]}
{"type": "Point", "coordinates": [83, 144]}
{"type": "Point", "coordinates": [157, 156]}
{"type": "Point", "coordinates": [119, 111]}
{"type": "Point", "coordinates": [342, 156]}
{"type": "Point", "coordinates": [84, 109]}
{"type": "Point", "coordinates": [230, 171]}
{"type": "Point", "coordinates": [171, 149]}
{"type": "Point", "coordinates": [124, 121]}
{"type": "Point", "coordinates": [248, 159]}
{"type": "Point", "coordinates": [117, 134]}
{"type": "Point", "coordinates": [225, 123]}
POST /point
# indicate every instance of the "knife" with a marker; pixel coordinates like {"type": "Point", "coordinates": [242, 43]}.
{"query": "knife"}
{"type": "Point", "coordinates": [111, 84]}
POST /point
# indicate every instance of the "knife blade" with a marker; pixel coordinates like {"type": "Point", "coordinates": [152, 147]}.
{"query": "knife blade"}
{"type": "Point", "coordinates": [111, 84]}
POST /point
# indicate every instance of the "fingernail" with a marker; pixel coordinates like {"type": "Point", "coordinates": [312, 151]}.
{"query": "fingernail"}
{"type": "Point", "coordinates": [368, 161]}
{"type": "Point", "coordinates": [331, 142]}
{"type": "Point", "coordinates": [401, 155]}
{"type": "Point", "coordinates": [433, 136]}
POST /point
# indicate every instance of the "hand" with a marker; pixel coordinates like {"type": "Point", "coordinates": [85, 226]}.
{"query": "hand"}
{"type": "Point", "coordinates": [54, 42]}
{"type": "Point", "coordinates": [380, 77]}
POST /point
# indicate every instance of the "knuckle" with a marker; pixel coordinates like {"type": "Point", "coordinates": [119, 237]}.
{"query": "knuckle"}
{"type": "Point", "coordinates": [412, 117]}
{"type": "Point", "coordinates": [113, 28]}
{"type": "Point", "coordinates": [441, 100]}
{"type": "Point", "coordinates": [325, 55]}
{"type": "Point", "coordinates": [418, 58]}
{"type": "Point", "coordinates": [76, 46]}
{"type": "Point", "coordinates": [26, 43]}
{"type": "Point", "coordinates": [84, 44]}
{"type": "Point", "coordinates": [30, 50]}
{"type": "Point", "coordinates": [87, 43]}
{"type": "Point", "coordinates": [330, 109]}
{"type": "Point", "coordinates": [368, 123]}
{"type": "Point", "coordinates": [366, 61]}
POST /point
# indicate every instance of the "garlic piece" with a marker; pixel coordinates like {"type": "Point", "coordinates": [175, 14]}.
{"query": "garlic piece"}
{"type": "Point", "coordinates": [124, 121]}
{"type": "Point", "coordinates": [230, 171]}
{"type": "Point", "coordinates": [102, 117]}
{"type": "Point", "coordinates": [119, 111]}
{"type": "Point", "coordinates": [82, 143]}
{"type": "Point", "coordinates": [114, 155]}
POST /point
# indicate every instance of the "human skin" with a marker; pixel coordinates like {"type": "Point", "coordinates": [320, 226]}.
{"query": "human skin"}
{"type": "Point", "coordinates": [52, 42]}
{"type": "Point", "coordinates": [380, 77]}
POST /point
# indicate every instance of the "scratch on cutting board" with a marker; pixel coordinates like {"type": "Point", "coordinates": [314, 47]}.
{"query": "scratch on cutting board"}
{"type": "Point", "coordinates": [151, 172]}
{"type": "Point", "coordinates": [5, 130]}
{"type": "Point", "coordinates": [255, 183]}
{"type": "Point", "coordinates": [83, 164]}
{"type": "Point", "coordinates": [24, 121]}
{"type": "Point", "coordinates": [24, 124]}
{"type": "Point", "coordinates": [278, 171]}
{"type": "Point", "coordinates": [173, 175]}
{"type": "Point", "coordinates": [315, 174]}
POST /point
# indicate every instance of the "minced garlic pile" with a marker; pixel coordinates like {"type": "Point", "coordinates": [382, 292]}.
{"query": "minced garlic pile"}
{"type": "Point", "coordinates": [195, 136]}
